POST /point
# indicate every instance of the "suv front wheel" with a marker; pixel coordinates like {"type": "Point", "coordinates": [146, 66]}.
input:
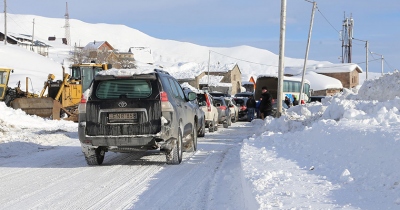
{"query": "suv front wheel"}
{"type": "Point", "coordinates": [174, 157]}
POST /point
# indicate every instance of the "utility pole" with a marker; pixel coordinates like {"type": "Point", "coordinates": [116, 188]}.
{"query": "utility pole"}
{"type": "Point", "coordinates": [208, 70]}
{"type": "Point", "coordinates": [307, 50]}
{"type": "Point", "coordinates": [66, 26]}
{"type": "Point", "coordinates": [346, 38]}
{"type": "Point", "coordinates": [33, 34]}
{"type": "Point", "coordinates": [5, 22]}
{"type": "Point", "coordinates": [281, 57]}
{"type": "Point", "coordinates": [366, 59]}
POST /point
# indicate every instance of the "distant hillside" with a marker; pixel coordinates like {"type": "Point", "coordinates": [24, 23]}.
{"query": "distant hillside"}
{"type": "Point", "coordinates": [252, 61]}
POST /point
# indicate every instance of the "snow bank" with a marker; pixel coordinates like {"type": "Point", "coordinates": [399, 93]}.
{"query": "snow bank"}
{"type": "Point", "coordinates": [341, 153]}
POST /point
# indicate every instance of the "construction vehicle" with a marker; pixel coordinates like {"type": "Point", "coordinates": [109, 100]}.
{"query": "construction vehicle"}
{"type": "Point", "coordinates": [8, 94]}
{"type": "Point", "coordinates": [63, 96]}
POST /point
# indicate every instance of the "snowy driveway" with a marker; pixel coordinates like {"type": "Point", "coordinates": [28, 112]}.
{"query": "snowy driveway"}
{"type": "Point", "coordinates": [46, 169]}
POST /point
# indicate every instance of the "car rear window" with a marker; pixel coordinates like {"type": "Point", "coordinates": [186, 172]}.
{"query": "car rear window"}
{"type": "Point", "coordinates": [201, 97]}
{"type": "Point", "coordinates": [218, 101]}
{"type": "Point", "coordinates": [112, 89]}
{"type": "Point", "coordinates": [240, 101]}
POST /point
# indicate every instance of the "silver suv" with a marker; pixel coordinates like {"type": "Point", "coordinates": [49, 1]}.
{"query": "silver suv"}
{"type": "Point", "coordinates": [129, 110]}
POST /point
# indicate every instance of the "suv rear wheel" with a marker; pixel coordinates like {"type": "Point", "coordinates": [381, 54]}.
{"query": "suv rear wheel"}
{"type": "Point", "coordinates": [194, 139]}
{"type": "Point", "coordinates": [211, 127]}
{"type": "Point", "coordinates": [202, 133]}
{"type": "Point", "coordinates": [93, 156]}
{"type": "Point", "coordinates": [174, 157]}
{"type": "Point", "coordinates": [235, 118]}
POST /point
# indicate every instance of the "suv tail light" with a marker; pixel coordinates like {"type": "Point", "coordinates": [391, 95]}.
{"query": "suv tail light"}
{"type": "Point", "coordinates": [223, 108]}
{"type": "Point", "coordinates": [82, 104]}
{"type": "Point", "coordinates": [242, 108]}
{"type": "Point", "coordinates": [166, 106]}
{"type": "Point", "coordinates": [208, 103]}
{"type": "Point", "coordinates": [164, 96]}
{"type": "Point", "coordinates": [83, 99]}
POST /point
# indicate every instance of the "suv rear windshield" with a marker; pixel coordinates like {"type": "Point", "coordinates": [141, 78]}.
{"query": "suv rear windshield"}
{"type": "Point", "coordinates": [112, 89]}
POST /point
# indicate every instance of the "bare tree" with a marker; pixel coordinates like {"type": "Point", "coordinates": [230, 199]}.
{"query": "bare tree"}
{"type": "Point", "coordinates": [79, 55]}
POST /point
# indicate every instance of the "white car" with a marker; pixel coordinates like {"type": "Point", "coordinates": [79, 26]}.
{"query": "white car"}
{"type": "Point", "coordinates": [206, 103]}
{"type": "Point", "coordinates": [230, 102]}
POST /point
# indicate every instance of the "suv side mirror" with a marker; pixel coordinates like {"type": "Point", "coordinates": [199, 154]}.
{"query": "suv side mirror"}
{"type": "Point", "coordinates": [192, 96]}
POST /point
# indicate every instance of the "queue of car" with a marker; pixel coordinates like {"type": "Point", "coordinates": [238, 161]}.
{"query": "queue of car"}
{"type": "Point", "coordinates": [147, 109]}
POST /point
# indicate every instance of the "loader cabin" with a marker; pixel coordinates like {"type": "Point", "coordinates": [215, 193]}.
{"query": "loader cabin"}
{"type": "Point", "coordinates": [85, 72]}
{"type": "Point", "coordinates": [4, 76]}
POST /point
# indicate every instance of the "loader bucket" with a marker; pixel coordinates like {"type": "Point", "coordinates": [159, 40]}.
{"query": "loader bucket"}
{"type": "Point", "coordinates": [42, 107]}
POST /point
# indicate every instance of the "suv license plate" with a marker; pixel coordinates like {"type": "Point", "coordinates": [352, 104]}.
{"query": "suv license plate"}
{"type": "Point", "coordinates": [122, 116]}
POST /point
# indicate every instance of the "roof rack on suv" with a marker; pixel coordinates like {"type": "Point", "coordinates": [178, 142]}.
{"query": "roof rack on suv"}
{"type": "Point", "coordinates": [161, 71]}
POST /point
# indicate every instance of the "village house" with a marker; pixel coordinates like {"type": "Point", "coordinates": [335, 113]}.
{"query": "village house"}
{"type": "Point", "coordinates": [225, 79]}
{"type": "Point", "coordinates": [100, 51]}
{"type": "Point", "coordinates": [328, 79]}
{"type": "Point", "coordinates": [249, 85]}
{"type": "Point", "coordinates": [347, 73]}
{"type": "Point", "coordinates": [142, 54]}
{"type": "Point", "coordinates": [25, 41]}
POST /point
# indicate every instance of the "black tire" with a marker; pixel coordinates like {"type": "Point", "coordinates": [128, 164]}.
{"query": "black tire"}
{"type": "Point", "coordinates": [11, 95]}
{"type": "Point", "coordinates": [216, 126]}
{"type": "Point", "coordinates": [234, 119]}
{"type": "Point", "coordinates": [174, 157]}
{"type": "Point", "coordinates": [211, 127]}
{"type": "Point", "coordinates": [202, 132]}
{"type": "Point", "coordinates": [194, 139]}
{"type": "Point", "coordinates": [225, 124]}
{"type": "Point", "coordinates": [95, 156]}
{"type": "Point", "coordinates": [229, 121]}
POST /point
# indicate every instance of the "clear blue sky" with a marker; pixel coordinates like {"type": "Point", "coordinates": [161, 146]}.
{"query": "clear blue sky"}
{"type": "Point", "coordinates": [255, 23]}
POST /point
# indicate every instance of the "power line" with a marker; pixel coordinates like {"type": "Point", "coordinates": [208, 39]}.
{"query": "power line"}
{"type": "Point", "coordinates": [242, 59]}
{"type": "Point", "coordinates": [16, 23]}
{"type": "Point", "coordinates": [327, 21]}
{"type": "Point", "coordinates": [384, 59]}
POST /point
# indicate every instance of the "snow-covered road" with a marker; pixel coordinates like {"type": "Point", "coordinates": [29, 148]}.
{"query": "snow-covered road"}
{"type": "Point", "coordinates": [53, 174]}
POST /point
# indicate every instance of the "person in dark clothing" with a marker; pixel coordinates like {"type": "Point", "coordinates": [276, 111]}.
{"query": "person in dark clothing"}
{"type": "Point", "coordinates": [258, 108]}
{"type": "Point", "coordinates": [266, 103]}
{"type": "Point", "coordinates": [295, 101]}
{"type": "Point", "coordinates": [251, 106]}
{"type": "Point", "coordinates": [287, 101]}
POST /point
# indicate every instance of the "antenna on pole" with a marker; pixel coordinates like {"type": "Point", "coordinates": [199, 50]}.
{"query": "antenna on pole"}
{"type": "Point", "coordinates": [33, 34]}
{"type": "Point", "coordinates": [66, 26]}
{"type": "Point", "coordinates": [5, 22]}
{"type": "Point", "coordinates": [347, 37]}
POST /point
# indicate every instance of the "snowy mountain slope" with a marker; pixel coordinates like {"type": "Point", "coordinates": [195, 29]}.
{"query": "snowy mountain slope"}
{"type": "Point", "coordinates": [252, 61]}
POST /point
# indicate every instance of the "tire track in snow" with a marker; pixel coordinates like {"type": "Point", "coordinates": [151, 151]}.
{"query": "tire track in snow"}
{"type": "Point", "coordinates": [60, 179]}
{"type": "Point", "coordinates": [190, 185]}
{"type": "Point", "coordinates": [104, 183]}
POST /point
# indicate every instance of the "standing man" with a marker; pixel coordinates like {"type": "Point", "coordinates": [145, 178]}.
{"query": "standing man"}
{"type": "Point", "coordinates": [251, 106]}
{"type": "Point", "coordinates": [295, 101]}
{"type": "Point", "coordinates": [287, 101]}
{"type": "Point", "coordinates": [266, 103]}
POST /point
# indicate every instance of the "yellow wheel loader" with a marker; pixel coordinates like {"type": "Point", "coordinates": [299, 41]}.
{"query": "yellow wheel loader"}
{"type": "Point", "coordinates": [63, 96]}
{"type": "Point", "coordinates": [8, 94]}
{"type": "Point", "coordinates": [4, 77]}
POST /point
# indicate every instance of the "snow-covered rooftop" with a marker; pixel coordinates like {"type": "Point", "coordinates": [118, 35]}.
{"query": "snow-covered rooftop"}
{"type": "Point", "coordinates": [214, 80]}
{"type": "Point", "coordinates": [142, 54]}
{"type": "Point", "coordinates": [94, 45]}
